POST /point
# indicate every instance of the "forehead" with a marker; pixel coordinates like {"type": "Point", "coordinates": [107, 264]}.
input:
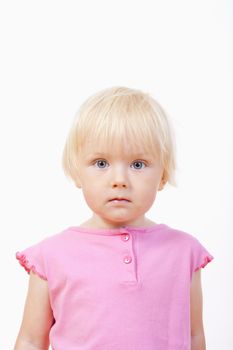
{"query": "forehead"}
{"type": "Point", "coordinates": [120, 149]}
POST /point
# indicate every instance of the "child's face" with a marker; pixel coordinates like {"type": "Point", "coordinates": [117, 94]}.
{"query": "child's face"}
{"type": "Point", "coordinates": [105, 174]}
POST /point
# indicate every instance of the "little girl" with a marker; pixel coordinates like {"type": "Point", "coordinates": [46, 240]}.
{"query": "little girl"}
{"type": "Point", "coordinates": [118, 281]}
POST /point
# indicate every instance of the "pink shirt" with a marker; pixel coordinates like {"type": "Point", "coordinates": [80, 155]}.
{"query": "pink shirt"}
{"type": "Point", "coordinates": [118, 289]}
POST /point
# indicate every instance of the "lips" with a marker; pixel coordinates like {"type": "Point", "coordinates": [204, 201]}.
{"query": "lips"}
{"type": "Point", "coordinates": [119, 199]}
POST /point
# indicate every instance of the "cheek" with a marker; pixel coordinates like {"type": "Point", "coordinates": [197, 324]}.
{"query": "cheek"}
{"type": "Point", "coordinates": [148, 184]}
{"type": "Point", "coordinates": [147, 189]}
{"type": "Point", "coordinates": [90, 199]}
{"type": "Point", "coordinates": [92, 193]}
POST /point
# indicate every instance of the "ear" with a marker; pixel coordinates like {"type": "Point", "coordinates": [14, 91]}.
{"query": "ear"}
{"type": "Point", "coordinates": [162, 183]}
{"type": "Point", "coordinates": [161, 186]}
{"type": "Point", "coordinates": [77, 184]}
{"type": "Point", "coordinates": [78, 181]}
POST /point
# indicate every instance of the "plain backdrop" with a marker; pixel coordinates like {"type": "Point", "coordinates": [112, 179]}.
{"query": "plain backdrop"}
{"type": "Point", "coordinates": [54, 55]}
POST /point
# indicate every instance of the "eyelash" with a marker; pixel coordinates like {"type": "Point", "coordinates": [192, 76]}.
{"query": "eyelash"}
{"type": "Point", "coordinates": [136, 161]}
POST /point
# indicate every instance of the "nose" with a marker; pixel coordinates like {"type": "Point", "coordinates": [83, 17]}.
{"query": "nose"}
{"type": "Point", "coordinates": [119, 177]}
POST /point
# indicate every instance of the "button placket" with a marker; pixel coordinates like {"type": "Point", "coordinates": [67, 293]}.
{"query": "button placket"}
{"type": "Point", "coordinates": [127, 256]}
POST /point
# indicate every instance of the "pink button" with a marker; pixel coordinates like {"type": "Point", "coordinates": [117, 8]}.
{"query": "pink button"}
{"type": "Point", "coordinates": [125, 237]}
{"type": "Point", "coordinates": [127, 259]}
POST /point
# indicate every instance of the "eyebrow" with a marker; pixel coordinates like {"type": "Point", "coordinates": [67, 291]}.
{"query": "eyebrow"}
{"type": "Point", "coordinates": [104, 154]}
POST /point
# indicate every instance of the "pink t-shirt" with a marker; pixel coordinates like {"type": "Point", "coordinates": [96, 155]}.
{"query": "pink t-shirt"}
{"type": "Point", "coordinates": [114, 289]}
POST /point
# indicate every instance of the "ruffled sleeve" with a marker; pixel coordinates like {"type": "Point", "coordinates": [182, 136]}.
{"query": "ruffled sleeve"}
{"type": "Point", "coordinates": [200, 256]}
{"type": "Point", "coordinates": [32, 260]}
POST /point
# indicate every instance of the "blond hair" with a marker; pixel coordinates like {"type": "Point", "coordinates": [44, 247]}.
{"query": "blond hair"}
{"type": "Point", "coordinates": [118, 113]}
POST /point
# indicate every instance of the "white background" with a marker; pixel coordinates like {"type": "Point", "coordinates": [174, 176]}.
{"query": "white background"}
{"type": "Point", "coordinates": [55, 54]}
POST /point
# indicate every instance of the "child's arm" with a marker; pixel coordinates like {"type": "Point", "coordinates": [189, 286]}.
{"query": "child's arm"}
{"type": "Point", "coordinates": [37, 317]}
{"type": "Point", "coordinates": [197, 330]}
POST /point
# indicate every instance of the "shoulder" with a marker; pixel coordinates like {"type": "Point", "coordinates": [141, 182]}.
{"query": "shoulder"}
{"type": "Point", "coordinates": [188, 244]}
{"type": "Point", "coordinates": [38, 256]}
{"type": "Point", "coordinates": [55, 240]}
{"type": "Point", "coordinates": [199, 255]}
{"type": "Point", "coordinates": [179, 236]}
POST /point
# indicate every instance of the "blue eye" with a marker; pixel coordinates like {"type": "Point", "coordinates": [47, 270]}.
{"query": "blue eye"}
{"type": "Point", "coordinates": [139, 163]}
{"type": "Point", "coordinates": [101, 162]}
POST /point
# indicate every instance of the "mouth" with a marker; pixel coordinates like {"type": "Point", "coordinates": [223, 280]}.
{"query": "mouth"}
{"type": "Point", "coordinates": [118, 199]}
